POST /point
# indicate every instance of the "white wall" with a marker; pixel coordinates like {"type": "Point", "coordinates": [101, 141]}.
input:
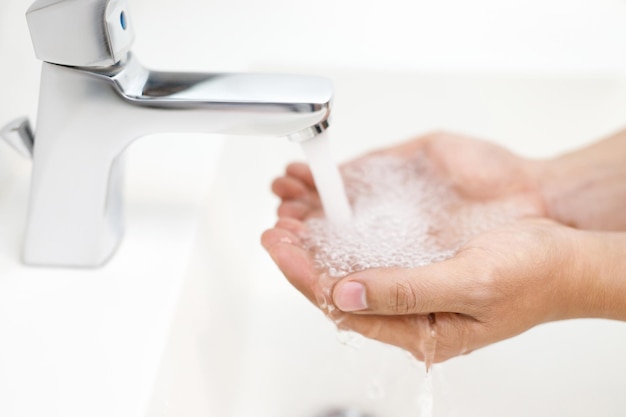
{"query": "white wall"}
{"type": "Point", "coordinates": [410, 34]}
{"type": "Point", "coordinates": [478, 35]}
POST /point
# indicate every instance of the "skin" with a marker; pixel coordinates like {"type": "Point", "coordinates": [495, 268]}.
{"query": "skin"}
{"type": "Point", "coordinates": [566, 260]}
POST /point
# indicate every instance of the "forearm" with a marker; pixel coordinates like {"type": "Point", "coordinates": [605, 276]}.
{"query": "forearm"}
{"type": "Point", "coordinates": [602, 292]}
{"type": "Point", "coordinates": [587, 188]}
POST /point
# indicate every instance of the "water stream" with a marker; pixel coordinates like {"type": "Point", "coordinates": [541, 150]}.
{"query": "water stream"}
{"type": "Point", "coordinates": [327, 179]}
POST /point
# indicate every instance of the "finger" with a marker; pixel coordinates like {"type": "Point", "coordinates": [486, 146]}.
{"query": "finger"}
{"type": "Point", "coordinates": [278, 235]}
{"type": "Point", "coordinates": [440, 287]}
{"type": "Point", "coordinates": [293, 225]}
{"type": "Point", "coordinates": [413, 333]}
{"type": "Point", "coordinates": [285, 231]}
{"type": "Point", "coordinates": [302, 172]}
{"type": "Point", "coordinates": [289, 188]}
{"type": "Point", "coordinates": [431, 339]}
{"type": "Point", "coordinates": [293, 261]}
{"type": "Point", "coordinates": [408, 332]}
{"type": "Point", "coordinates": [294, 209]}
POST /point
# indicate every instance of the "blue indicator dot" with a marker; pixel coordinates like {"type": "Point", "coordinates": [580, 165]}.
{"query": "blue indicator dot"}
{"type": "Point", "coordinates": [123, 20]}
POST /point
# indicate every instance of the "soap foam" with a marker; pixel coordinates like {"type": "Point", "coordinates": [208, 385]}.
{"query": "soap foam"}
{"type": "Point", "coordinates": [404, 215]}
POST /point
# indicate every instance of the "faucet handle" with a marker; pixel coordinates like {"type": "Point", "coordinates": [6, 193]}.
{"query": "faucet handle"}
{"type": "Point", "coordinates": [80, 33]}
{"type": "Point", "coordinates": [19, 135]}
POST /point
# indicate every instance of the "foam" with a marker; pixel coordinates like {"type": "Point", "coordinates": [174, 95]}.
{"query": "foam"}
{"type": "Point", "coordinates": [404, 215]}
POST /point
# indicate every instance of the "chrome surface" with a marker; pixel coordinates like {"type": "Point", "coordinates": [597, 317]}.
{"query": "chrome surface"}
{"type": "Point", "coordinates": [19, 135]}
{"type": "Point", "coordinates": [93, 33]}
{"type": "Point", "coordinates": [243, 93]}
{"type": "Point", "coordinates": [96, 99]}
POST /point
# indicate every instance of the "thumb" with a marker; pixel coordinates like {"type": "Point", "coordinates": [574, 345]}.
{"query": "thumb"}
{"type": "Point", "coordinates": [440, 287]}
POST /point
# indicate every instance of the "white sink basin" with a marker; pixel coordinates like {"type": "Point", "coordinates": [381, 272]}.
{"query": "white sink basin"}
{"type": "Point", "coordinates": [191, 317]}
{"type": "Point", "coordinates": [80, 342]}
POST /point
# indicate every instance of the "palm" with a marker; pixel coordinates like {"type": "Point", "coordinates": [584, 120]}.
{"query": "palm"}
{"type": "Point", "coordinates": [479, 301]}
{"type": "Point", "coordinates": [478, 169]}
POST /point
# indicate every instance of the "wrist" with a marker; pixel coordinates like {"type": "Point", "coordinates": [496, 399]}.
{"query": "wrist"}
{"type": "Point", "coordinates": [586, 188]}
{"type": "Point", "coordinates": [560, 182]}
{"type": "Point", "coordinates": [602, 279]}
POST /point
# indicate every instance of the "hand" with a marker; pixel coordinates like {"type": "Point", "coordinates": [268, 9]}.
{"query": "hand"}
{"type": "Point", "coordinates": [500, 284]}
{"type": "Point", "coordinates": [478, 171]}
{"type": "Point", "coordinates": [583, 189]}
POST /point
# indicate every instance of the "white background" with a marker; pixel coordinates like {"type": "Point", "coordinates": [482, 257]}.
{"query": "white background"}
{"type": "Point", "coordinates": [569, 35]}
{"type": "Point", "coordinates": [587, 36]}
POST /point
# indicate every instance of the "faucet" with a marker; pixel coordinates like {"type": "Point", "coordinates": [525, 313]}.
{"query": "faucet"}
{"type": "Point", "coordinates": [96, 98]}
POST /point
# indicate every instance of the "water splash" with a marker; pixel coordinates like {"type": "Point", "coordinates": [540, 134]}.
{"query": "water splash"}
{"type": "Point", "coordinates": [425, 398]}
{"type": "Point", "coordinates": [402, 216]}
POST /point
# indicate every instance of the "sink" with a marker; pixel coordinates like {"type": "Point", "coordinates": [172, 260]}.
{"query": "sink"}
{"type": "Point", "coordinates": [192, 318]}
{"type": "Point", "coordinates": [89, 342]}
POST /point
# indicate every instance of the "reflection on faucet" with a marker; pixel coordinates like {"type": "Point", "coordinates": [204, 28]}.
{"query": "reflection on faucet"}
{"type": "Point", "coordinates": [90, 112]}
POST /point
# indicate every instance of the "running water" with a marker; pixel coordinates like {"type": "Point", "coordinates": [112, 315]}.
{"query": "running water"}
{"type": "Point", "coordinates": [327, 179]}
{"type": "Point", "coordinates": [403, 215]}
{"type": "Point", "coordinates": [425, 397]}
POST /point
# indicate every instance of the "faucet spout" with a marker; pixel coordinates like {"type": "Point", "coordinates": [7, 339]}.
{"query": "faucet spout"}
{"type": "Point", "coordinates": [296, 106]}
{"type": "Point", "coordinates": [88, 116]}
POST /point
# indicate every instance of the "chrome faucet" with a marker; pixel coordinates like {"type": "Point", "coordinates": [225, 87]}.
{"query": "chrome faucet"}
{"type": "Point", "coordinates": [96, 98]}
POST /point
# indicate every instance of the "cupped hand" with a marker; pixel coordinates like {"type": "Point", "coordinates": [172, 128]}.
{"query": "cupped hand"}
{"type": "Point", "coordinates": [499, 284]}
{"type": "Point", "coordinates": [477, 170]}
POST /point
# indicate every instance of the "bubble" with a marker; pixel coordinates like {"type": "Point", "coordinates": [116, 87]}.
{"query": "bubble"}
{"type": "Point", "coordinates": [404, 215]}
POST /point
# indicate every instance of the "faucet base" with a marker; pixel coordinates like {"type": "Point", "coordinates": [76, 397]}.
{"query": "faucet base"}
{"type": "Point", "coordinates": [76, 206]}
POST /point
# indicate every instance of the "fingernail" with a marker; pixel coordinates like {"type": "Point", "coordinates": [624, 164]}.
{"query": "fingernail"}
{"type": "Point", "coordinates": [350, 297]}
